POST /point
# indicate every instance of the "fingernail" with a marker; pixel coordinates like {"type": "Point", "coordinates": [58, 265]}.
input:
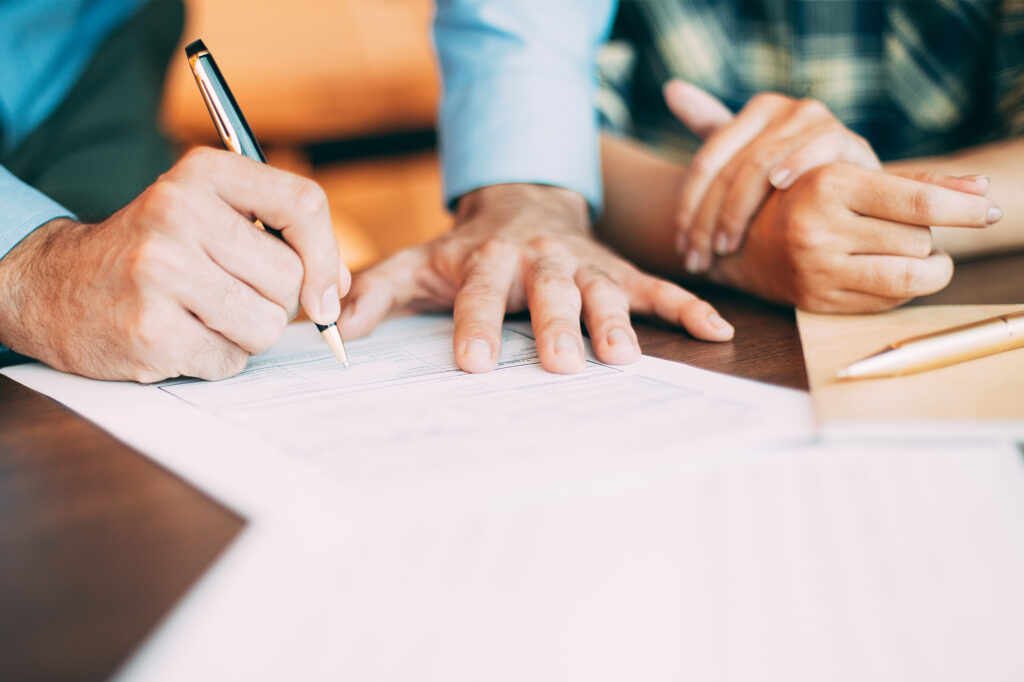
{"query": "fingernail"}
{"type": "Point", "coordinates": [566, 345]}
{"type": "Point", "coordinates": [718, 323]}
{"type": "Point", "coordinates": [619, 337]}
{"type": "Point", "coordinates": [680, 243]}
{"type": "Point", "coordinates": [995, 214]}
{"type": "Point", "coordinates": [478, 349]}
{"type": "Point", "coordinates": [693, 261]}
{"type": "Point", "coordinates": [778, 178]}
{"type": "Point", "coordinates": [330, 304]}
{"type": "Point", "coordinates": [722, 244]}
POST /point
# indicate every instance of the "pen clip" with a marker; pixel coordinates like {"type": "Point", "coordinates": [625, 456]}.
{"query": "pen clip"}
{"type": "Point", "coordinates": [220, 118]}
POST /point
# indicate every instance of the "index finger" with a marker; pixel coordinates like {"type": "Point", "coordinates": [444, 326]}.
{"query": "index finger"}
{"type": "Point", "coordinates": [295, 206]}
{"type": "Point", "coordinates": [479, 308]}
{"type": "Point", "coordinates": [904, 200]}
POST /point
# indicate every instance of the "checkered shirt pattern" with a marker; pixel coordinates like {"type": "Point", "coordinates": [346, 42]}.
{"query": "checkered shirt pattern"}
{"type": "Point", "coordinates": [914, 77]}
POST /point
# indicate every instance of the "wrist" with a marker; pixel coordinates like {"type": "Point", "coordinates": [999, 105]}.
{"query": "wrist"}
{"type": "Point", "coordinates": [515, 199]}
{"type": "Point", "coordinates": [20, 294]}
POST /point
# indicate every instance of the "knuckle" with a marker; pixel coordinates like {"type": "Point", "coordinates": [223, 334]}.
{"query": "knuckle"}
{"type": "Point", "coordinates": [481, 292]}
{"type": "Point", "coordinates": [858, 140]}
{"type": "Point", "coordinates": [895, 278]}
{"type": "Point", "coordinates": [595, 284]}
{"type": "Point", "coordinates": [922, 246]}
{"type": "Point", "coordinates": [802, 232]}
{"type": "Point", "coordinates": [697, 308]}
{"type": "Point", "coordinates": [222, 364]}
{"type": "Point", "coordinates": [768, 100]}
{"type": "Point", "coordinates": [607, 320]}
{"type": "Point", "coordinates": [160, 197]}
{"type": "Point", "coordinates": [731, 219]}
{"type": "Point", "coordinates": [309, 197]}
{"type": "Point", "coordinates": [550, 277]}
{"type": "Point", "coordinates": [760, 162]}
{"type": "Point", "coordinates": [824, 180]}
{"type": "Point", "coordinates": [289, 272]}
{"type": "Point", "coordinates": [547, 247]}
{"type": "Point", "coordinates": [812, 108]}
{"type": "Point", "coordinates": [198, 160]}
{"type": "Point", "coordinates": [270, 329]}
{"type": "Point", "coordinates": [147, 262]}
{"type": "Point", "coordinates": [232, 362]}
{"type": "Point", "coordinates": [663, 290]}
{"type": "Point", "coordinates": [699, 236]}
{"type": "Point", "coordinates": [921, 204]}
{"type": "Point", "coordinates": [495, 248]}
{"type": "Point", "coordinates": [147, 330]}
{"type": "Point", "coordinates": [908, 279]}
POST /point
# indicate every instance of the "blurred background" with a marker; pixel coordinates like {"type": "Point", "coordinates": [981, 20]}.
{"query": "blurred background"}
{"type": "Point", "coordinates": [341, 91]}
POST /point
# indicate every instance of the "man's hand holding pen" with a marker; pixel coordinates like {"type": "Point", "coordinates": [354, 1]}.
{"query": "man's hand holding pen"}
{"type": "Point", "coordinates": [178, 282]}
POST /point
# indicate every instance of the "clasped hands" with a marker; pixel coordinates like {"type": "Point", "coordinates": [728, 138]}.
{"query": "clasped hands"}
{"type": "Point", "coordinates": [798, 210]}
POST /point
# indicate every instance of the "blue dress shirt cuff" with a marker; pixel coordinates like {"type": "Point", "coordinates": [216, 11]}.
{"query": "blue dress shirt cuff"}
{"type": "Point", "coordinates": [536, 129]}
{"type": "Point", "coordinates": [23, 210]}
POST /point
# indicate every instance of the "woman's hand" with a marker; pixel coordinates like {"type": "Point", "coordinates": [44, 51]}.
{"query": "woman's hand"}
{"type": "Point", "coordinates": [847, 239]}
{"type": "Point", "coordinates": [770, 144]}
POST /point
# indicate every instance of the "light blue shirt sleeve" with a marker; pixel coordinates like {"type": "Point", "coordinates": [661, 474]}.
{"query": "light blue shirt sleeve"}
{"type": "Point", "coordinates": [23, 209]}
{"type": "Point", "coordinates": [519, 83]}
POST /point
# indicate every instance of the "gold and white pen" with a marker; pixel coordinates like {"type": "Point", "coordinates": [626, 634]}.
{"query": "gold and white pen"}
{"type": "Point", "coordinates": [941, 348]}
{"type": "Point", "coordinates": [236, 135]}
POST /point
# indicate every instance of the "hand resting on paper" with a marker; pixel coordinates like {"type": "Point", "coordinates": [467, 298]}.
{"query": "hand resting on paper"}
{"type": "Point", "coordinates": [526, 247]}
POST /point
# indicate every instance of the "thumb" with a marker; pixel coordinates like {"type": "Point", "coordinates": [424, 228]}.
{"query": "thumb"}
{"type": "Point", "coordinates": [696, 109]}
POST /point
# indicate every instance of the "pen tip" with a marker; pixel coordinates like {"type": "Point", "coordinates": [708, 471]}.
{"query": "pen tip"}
{"type": "Point", "coordinates": [843, 374]}
{"type": "Point", "coordinates": [333, 338]}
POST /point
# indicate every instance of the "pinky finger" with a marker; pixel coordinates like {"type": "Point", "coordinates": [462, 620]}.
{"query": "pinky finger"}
{"type": "Point", "coordinates": [835, 145]}
{"type": "Point", "coordinates": [672, 303]}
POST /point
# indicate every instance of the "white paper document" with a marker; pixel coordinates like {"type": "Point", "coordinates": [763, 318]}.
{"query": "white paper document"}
{"type": "Point", "coordinates": [408, 521]}
{"type": "Point", "coordinates": [403, 412]}
{"type": "Point", "coordinates": [313, 454]}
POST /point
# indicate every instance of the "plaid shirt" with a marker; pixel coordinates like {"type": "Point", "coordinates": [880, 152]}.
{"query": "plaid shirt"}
{"type": "Point", "coordinates": [915, 78]}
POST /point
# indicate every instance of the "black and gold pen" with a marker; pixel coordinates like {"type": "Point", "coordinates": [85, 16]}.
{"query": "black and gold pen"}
{"type": "Point", "coordinates": [236, 135]}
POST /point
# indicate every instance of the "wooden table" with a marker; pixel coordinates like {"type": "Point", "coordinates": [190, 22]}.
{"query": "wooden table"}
{"type": "Point", "coordinates": [97, 542]}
